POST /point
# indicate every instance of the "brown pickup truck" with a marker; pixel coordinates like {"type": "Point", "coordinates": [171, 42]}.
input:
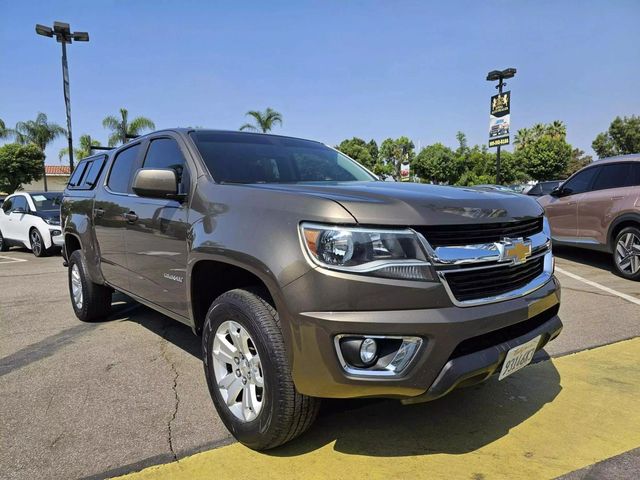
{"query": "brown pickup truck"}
{"type": "Point", "coordinates": [305, 275]}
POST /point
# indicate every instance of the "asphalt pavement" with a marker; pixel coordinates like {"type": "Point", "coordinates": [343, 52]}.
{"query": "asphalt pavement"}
{"type": "Point", "coordinates": [99, 400]}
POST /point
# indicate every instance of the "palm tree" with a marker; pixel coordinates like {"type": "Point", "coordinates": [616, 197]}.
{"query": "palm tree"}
{"type": "Point", "coordinates": [41, 133]}
{"type": "Point", "coordinates": [523, 137]}
{"type": "Point", "coordinates": [264, 121]}
{"type": "Point", "coordinates": [557, 129]}
{"type": "Point", "coordinates": [121, 128]}
{"type": "Point", "coordinates": [84, 148]}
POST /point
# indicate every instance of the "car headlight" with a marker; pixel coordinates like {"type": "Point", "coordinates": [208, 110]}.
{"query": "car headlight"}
{"type": "Point", "coordinates": [52, 221]}
{"type": "Point", "coordinates": [394, 254]}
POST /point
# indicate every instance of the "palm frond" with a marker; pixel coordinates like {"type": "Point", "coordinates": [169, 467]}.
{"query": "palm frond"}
{"type": "Point", "coordinates": [139, 124]}
{"type": "Point", "coordinates": [248, 126]}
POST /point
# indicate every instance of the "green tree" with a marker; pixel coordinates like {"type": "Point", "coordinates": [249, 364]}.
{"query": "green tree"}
{"type": "Point", "coordinates": [437, 163]}
{"type": "Point", "coordinates": [622, 138]}
{"type": "Point", "coordinates": [40, 132]}
{"type": "Point", "coordinates": [577, 161]}
{"type": "Point", "coordinates": [4, 131]}
{"type": "Point", "coordinates": [393, 153]}
{"type": "Point", "coordinates": [265, 121]}
{"type": "Point", "coordinates": [357, 149]}
{"type": "Point", "coordinates": [122, 127]}
{"type": "Point", "coordinates": [545, 158]}
{"type": "Point", "coordinates": [85, 143]}
{"type": "Point", "coordinates": [373, 150]}
{"type": "Point", "coordinates": [19, 164]}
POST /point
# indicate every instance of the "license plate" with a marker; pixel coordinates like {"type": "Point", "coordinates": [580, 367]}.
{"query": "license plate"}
{"type": "Point", "coordinates": [519, 357]}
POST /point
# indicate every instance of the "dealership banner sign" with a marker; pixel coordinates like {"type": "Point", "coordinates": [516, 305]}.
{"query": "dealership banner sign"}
{"type": "Point", "coordinates": [500, 119]}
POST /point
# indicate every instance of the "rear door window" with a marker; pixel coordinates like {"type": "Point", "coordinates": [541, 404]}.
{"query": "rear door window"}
{"type": "Point", "coordinates": [614, 175]}
{"type": "Point", "coordinates": [93, 173]}
{"type": "Point", "coordinates": [78, 173]}
{"type": "Point", "coordinates": [120, 175]}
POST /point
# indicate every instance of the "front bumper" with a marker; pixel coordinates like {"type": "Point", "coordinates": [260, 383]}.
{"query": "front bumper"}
{"type": "Point", "coordinates": [460, 345]}
{"type": "Point", "coordinates": [57, 238]}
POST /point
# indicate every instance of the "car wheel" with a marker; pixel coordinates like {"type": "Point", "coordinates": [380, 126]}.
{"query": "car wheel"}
{"type": "Point", "coordinates": [248, 372]}
{"type": "Point", "coordinates": [90, 301]}
{"type": "Point", "coordinates": [3, 245]}
{"type": "Point", "coordinates": [626, 254]}
{"type": "Point", "coordinates": [37, 243]}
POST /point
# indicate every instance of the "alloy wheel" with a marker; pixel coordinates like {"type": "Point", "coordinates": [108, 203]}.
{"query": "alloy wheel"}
{"type": "Point", "coordinates": [76, 287]}
{"type": "Point", "coordinates": [238, 371]}
{"type": "Point", "coordinates": [36, 243]}
{"type": "Point", "coordinates": [628, 253]}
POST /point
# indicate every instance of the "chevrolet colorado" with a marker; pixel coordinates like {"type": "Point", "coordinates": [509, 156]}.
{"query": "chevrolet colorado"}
{"type": "Point", "coordinates": [305, 276]}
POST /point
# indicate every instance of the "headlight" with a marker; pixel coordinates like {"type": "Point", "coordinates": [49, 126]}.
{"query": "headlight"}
{"type": "Point", "coordinates": [382, 253]}
{"type": "Point", "coordinates": [52, 221]}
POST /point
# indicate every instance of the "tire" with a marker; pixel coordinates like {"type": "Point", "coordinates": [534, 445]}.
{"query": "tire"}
{"type": "Point", "coordinates": [279, 412]}
{"type": "Point", "coordinates": [94, 300]}
{"type": "Point", "coordinates": [3, 245]}
{"type": "Point", "coordinates": [626, 253]}
{"type": "Point", "coordinates": [37, 243]}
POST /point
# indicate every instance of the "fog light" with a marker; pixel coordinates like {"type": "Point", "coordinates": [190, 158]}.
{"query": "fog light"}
{"type": "Point", "coordinates": [368, 350]}
{"type": "Point", "coordinates": [55, 233]}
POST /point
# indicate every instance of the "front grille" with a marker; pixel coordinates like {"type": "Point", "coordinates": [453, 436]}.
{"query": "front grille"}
{"type": "Point", "coordinates": [490, 282]}
{"type": "Point", "coordinates": [451, 235]}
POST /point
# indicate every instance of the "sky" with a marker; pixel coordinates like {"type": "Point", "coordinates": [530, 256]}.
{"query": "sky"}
{"type": "Point", "coordinates": [334, 69]}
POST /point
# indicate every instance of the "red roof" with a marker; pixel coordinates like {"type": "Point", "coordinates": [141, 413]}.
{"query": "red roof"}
{"type": "Point", "coordinates": [57, 169]}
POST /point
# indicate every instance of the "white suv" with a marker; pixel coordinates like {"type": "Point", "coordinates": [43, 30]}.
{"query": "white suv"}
{"type": "Point", "coordinates": [31, 220]}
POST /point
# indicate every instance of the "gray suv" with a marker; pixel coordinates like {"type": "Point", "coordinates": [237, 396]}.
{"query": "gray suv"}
{"type": "Point", "coordinates": [306, 276]}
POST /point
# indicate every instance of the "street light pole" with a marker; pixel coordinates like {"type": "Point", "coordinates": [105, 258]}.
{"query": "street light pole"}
{"type": "Point", "coordinates": [500, 75]}
{"type": "Point", "coordinates": [63, 35]}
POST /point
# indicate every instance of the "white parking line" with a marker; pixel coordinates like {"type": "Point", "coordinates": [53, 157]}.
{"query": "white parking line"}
{"type": "Point", "coordinates": [624, 296]}
{"type": "Point", "coordinates": [12, 259]}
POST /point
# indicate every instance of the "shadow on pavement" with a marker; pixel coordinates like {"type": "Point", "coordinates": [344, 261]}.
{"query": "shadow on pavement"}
{"type": "Point", "coordinates": [461, 422]}
{"type": "Point", "coordinates": [593, 258]}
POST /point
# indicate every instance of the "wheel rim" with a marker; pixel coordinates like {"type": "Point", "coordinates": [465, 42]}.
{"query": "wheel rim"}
{"type": "Point", "coordinates": [628, 253]}
{"type": "Point", "coordinates": [36, 242]}
{"type": "Point", "coordinates": [76, 286]}
{"type": "Point", "coordinates": [238, 371]}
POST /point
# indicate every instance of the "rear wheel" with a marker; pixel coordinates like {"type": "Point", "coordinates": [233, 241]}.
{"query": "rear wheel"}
{"type": "Point", "coordinates": [90, 301]}
{"type": "Point", "coordinates": [3, 244]}
{"type": "Point", "coordinates": [248, 373]}
{"type": "Point", "coordinates": [626, 254]}
{"type": "Point", "coordinates": [37, 243]}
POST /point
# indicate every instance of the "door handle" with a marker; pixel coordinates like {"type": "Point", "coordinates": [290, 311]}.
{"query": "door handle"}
{"type": "Point", "coordinates": [131, 217]}
{"type": "Point", "coordinates": [620, 197]}
{"type": "Point", "coordinates": [98, 212]}
{"type": "Point", "coordinates": [570, 203]}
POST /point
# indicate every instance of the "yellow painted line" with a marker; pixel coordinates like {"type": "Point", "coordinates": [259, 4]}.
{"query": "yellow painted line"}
{"type": "Point", "coordinates": [544, 421]}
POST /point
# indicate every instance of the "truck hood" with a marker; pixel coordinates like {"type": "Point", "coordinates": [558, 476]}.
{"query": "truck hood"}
{"type": "Point", "coordinates": [391, 203]}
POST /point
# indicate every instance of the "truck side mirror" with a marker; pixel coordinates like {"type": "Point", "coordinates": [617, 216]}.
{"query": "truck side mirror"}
{"type": "Point", "coordinates": [556, 192]}
{"type": "Point", "coordinates": [156, 183]}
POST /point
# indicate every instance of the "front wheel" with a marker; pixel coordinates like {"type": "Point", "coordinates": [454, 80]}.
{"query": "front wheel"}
{"type": "Point", "coordinates": [626, 254]}
{"type": "Point", "coordinates": [248, 374]}
{"type": "Point", "coordinates": [37, 243]}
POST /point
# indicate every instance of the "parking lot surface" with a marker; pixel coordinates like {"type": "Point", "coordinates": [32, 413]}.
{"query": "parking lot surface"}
{"type": "Point", "coordinates": [100, 400]}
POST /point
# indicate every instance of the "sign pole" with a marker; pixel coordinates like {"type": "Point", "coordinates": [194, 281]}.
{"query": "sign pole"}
{"type": "Point", "coordinates": [498, 151]}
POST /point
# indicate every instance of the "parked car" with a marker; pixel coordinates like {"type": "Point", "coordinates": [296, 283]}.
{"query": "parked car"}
{"type": "Point", "coordinates": [499, 188]}
{"type": "Point", "coordinates": [31, 220]}
{"type": "Point", "coordinates": [543, 188]}
{"type": "Point", "coordinates": [598, 208]}
{"type": "Point", "coordinates": [306, 276]}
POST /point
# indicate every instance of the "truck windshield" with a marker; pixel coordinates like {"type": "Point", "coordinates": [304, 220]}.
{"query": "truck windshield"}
{"type": "Point", "coordinates": [253, 158]}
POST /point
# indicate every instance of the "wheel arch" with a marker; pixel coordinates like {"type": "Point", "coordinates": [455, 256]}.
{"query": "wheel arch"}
{"type": "Point", "coordinates": [623, 221]}
{"type": "Point", "coordinates": [211, 277]}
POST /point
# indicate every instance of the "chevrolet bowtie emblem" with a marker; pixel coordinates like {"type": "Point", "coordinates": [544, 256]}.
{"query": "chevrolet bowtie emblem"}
{"type": "Point", "coordinates": [516, 251]}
